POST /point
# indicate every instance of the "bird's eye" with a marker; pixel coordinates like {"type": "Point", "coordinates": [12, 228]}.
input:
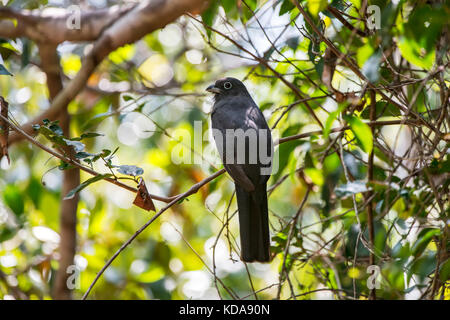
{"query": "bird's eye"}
{"type": "Point", "coordinates": [227, 85]}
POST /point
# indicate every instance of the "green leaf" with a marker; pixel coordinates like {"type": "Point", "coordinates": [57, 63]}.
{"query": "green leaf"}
{"type": "Point", "coordinates": [331, 117]}
{"type": "Point", "coordinates": [82, 155]}
{"type": "Point", "coordinates": [401, 250]}
{"type": "Point", "coordinates": [444, 270]}
{"type": "Point", "coordinates": [127, 97]}
{"type": "Point", "coordinates": [414, 54]}
{"type": "Point", "coordinates": [64, 166]}
{"type": "Point", "coordinates": [423, 239]}
{"type": "Point", "coordinates": [106, 152]}
{"type": "Point", "coordinates": [35, 190]}
{"type": "Point", "coordinates": [319, 67]}
{"type": "Point", "coordinates": [315, 175]}
{"type": "Point", "coordinates": [209, 14]}
{"type": "Point", "coordinates": [315, 6]}
{"type": "Point", "coordinates": [130, 170]}
{"type": "Point", "coordinates": [422, 267]}
{"type": "Point", "coordinates": [83, 185]}
{"type": "Point", "coordinates": [9, 45]}
{"type": "Point", "coordinates": [382, 109]}
{"type": "Point", "coordinates": [362, 133]}
{"type": "Point", "coordinates": [87, 135]}
{"type": "Point", "coordinates": [248, 8]}
{"type": "Point", "coordinates": [7, 233]}
{"type": "Point", "coordinates": [14, 199]}
{"type": "Point", "coordinates": [420, 33]}
{"type": "Point", "coordinates": [286, 7]}
{"type": "Point", "coordinates": [284, 150]}
{"type": "Point", "coordinates": [56, 128]}
{"type": "Point", "coordinates": [228, 5]}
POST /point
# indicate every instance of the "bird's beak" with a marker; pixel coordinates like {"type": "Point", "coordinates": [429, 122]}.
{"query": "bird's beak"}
{"type": "Point", "coordinates": [213, 89]}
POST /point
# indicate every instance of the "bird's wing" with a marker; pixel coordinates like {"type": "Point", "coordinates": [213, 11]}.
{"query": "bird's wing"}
{"type": "Point", "coordinates": [236, 171]}
{"type": "Point", "coordinates": [246, 115]}
{"type": "Point", "coordinates": [255, 119]}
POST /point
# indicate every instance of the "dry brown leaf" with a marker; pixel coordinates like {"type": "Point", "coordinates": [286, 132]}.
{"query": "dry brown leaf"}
{"type": "Point", "coordinates": [143, 199]}
{"type": "Point", "coordinates": [44, 269]}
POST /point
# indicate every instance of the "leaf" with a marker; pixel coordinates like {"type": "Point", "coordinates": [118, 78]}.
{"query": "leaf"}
{"type": "Point", "coordinates": [87, 135]}
{"type": "Point", "coordinates": [83, 185]}
{"type": "Point", "coordinates": [422, 267]}
{"type": "Point", "coordinates": [7, 233]}
{"type": "Point", "coordinates": [362, 133]}
{"type": "Point", "coordinates": [26, 52]}
{"type": "Point", "coordinates": [319, 65]}
{"type": "Point", "coordinates": [77, 146]}
{"type": "Point", "coordinates": [414, 54]}
{"type": "Point", "coordinates": [56, 129]}
{"type": "Point", "coordinates": [331, 117]}
{"type": "Point", "coordinates": [127, 97]}
{"type": "Point", "coordinates": [293, 42]}
{"type": "Point", "coordinates": [228, 5]}
{"type": "Point", "coordinates": [8, 46]}
{"type": "Point", "coordinates": [209, 14]}
{"type": "Point", "coordinates": [401, 250]}
{"type": "Point", "coordinates": [14, 199]}
{"type": "Point", "coordinates": [130, 170]}
{"type": "Point", "coordinates": [248, 9]}
{"type": "Point", "coordinates": [82, 155]}
{"type": "Point", "coordinates": [371, 69]}
{"type": "Point", "coordinates": [64, 166]}
{"type": "Point", "coordinates": [315, 175]}
{"type": "Point", "coordinates": [182, 199]}
{"type": "Point", "coordinates": [315, 6]}
{"type": "Point", "coordinates": [4, 71]}
{"type": "Point", "coordinates": [423, 239]}
{"type": "Point", "coordinates": [444, 270]}
{"type": "Point", "coordinates": [284, 150]}
{"type": "Point", "coordinates": [143, 199]}
{"type": "Point", "coordinates": [382, 109]}
{"type": "Point", "coordinates": [351, 188]}
{"type": "Point", "coordinates": [286, 6]}
{"type": "Point", "coordinates": [420, 33]}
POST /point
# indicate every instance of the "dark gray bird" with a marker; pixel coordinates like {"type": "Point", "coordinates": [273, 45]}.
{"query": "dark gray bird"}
{"type": "Point", "coordinates": [247, 157]}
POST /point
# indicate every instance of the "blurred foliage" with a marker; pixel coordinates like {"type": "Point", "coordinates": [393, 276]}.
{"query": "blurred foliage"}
{"type": "Point", "coordinates": [147, 99]}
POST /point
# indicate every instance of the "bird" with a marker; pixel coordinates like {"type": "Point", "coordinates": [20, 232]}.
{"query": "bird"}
{"type": "Point", "coordinates": [244, 142]}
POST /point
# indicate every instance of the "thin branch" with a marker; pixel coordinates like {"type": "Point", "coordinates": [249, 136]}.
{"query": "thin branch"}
{"type": "Point", "coordinates": [177, 199]}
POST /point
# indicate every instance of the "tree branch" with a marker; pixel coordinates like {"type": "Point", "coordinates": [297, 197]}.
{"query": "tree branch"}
{"type": "Point", "coordinates": [71, 179]}
{"type": "Point", "coordinates": [354, 67]}
{"type": "Point", "coordinates": [131, 26]}
{"type": "Point", "coordinates": [50, 26]}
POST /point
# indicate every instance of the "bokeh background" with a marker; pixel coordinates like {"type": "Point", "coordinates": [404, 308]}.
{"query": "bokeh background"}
{"type": "Point", "coordinates": [144, 99]}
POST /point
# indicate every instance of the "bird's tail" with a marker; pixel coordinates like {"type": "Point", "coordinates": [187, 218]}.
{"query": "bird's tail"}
{"type": "Point", "coordinates": [254, 224]}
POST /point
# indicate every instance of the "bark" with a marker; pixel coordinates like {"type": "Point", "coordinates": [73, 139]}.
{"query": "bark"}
{"type": "Point", "coordinates": [71, 179]}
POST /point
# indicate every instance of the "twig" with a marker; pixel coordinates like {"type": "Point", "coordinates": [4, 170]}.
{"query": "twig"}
{"type": "Point", "coordinates": [372, 295]}
{"type": "Point", "coordinates": [178, 198]}
{"type": "Point", "coordinates": [76, 164]}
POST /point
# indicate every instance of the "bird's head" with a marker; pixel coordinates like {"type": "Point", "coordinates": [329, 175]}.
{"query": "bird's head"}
{"type": "Point", "coordinates": [227, 87]}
